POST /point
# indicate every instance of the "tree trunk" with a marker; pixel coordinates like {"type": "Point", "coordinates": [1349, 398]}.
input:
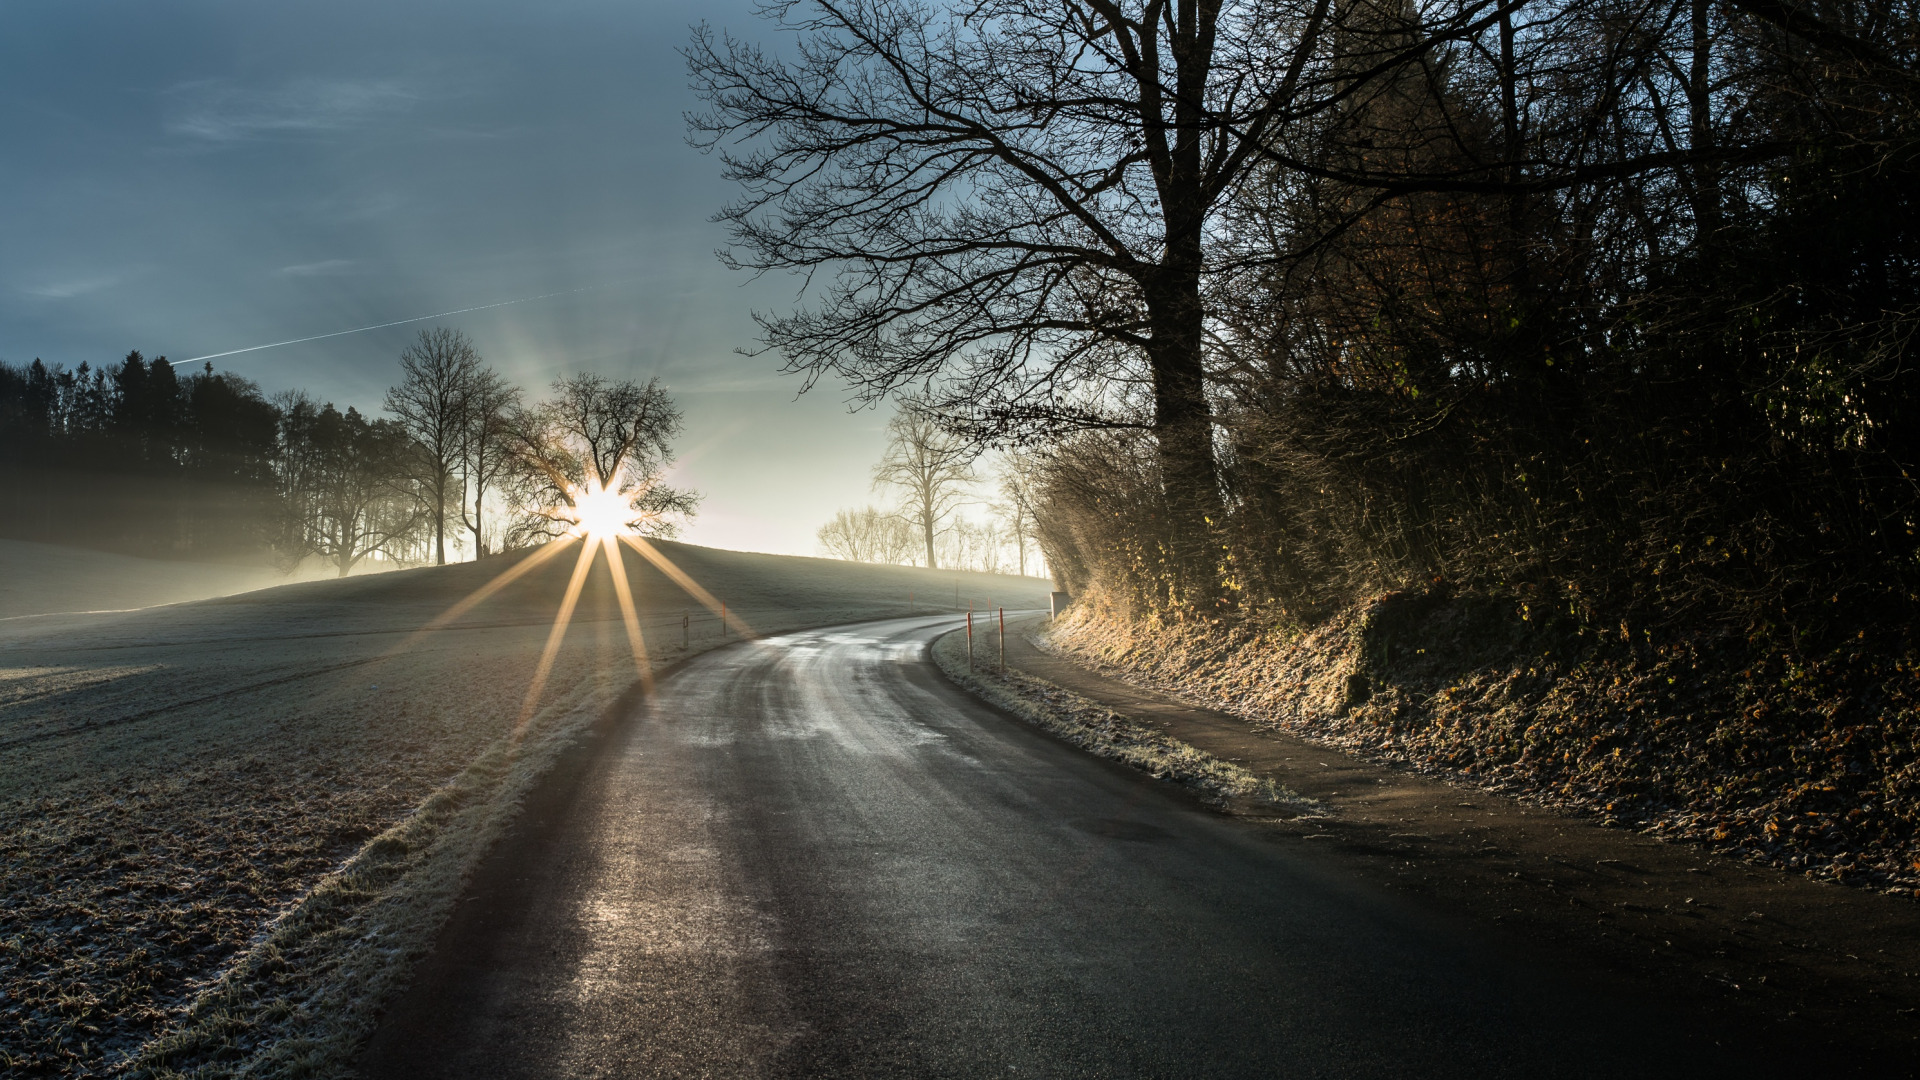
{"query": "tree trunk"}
{"type": "Point", "coordinates": [1182, 423]}
{"type": "Point", "coordinates": [1020, 538]}
{"type": "Point", "coordinates": [440, 522]}
{"type": "Point", "coordinates": [926, 523]}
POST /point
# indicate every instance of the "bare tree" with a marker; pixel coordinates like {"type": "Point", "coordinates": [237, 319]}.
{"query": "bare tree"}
{"type": "Point", "coordinates": [1016, 196]}
{"type": "Point", "coordinates": [931, 467]}
{"type": "Point", "coordinates": [868, 535]}
{"type": "Point", "coordinates": [486, 445]}
{"type": "Point", "coordinates": [597, 434]}
{"type": "Point", "coordinates": [437, 372]}
{"type": "Point", "coordinates": [1015, 508]}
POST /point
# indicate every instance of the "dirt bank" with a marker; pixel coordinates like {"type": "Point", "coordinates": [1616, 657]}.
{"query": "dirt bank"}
{"type": "Point", "coordinates": [1803, 763]}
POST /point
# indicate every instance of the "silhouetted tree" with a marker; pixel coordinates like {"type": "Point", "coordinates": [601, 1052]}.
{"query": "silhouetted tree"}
{"type": "Point", "coordinates": [486, 445]}
{"type": "Point", "coordinates": [596, 433]}
{"type": "Point", "coordinates": [437, 373]}
{"type": "Point", "coordinates": [1013, 196]}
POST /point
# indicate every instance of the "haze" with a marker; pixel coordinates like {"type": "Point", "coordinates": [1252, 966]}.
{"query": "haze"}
{"type": "Point", "coordinates": [203, 177]}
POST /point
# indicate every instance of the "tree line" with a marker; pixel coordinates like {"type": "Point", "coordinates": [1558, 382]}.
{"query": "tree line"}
{"type": "Point", "coordinates": [137, 458]}
{"type": "Point", "coordinates": [1604, 303]}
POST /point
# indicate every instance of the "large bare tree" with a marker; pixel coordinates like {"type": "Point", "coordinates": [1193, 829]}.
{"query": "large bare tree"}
{"type": "Point", "coordinates": [437, 373]}
{"type": "Point", "coordinates": [930, 466]}
{"type": "Point", "coordinates": [1009, 201]}
{"type": "Point", "coordinates": [1023, 206]}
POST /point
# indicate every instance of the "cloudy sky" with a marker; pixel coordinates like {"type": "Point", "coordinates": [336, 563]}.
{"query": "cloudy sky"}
{"type": "Point", "coordinates": [187, 178]}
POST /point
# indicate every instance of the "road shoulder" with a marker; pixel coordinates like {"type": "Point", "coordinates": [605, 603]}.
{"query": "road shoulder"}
{"type": "Point", "coordinates": [1817, 964]}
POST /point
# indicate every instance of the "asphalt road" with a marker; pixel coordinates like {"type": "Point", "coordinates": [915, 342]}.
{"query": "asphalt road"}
{"type": "Point", "coordinates": [811, 855]}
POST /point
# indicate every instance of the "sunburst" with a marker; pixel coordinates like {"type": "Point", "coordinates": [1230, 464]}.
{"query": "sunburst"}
{"type": "Point", "coordinates": [601, 519]}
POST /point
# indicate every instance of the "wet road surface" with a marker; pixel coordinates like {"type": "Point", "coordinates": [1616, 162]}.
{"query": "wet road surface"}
{"type": "Point", "coordinates": [810, 855]}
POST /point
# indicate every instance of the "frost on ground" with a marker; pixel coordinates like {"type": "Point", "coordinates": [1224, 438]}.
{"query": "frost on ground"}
{"type": "Point", "coordinates": [1099, 730]}
{"type": "Point", "coordinates": [227, 828]}
{"type": "Point", "coordinates": [1809, 764]}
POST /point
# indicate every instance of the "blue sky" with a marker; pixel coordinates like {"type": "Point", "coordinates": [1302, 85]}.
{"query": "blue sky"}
{"type": "Point", "coordinates": [189, 178]}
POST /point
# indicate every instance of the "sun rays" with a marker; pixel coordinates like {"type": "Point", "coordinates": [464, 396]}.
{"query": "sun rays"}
{"type": "Point", "coordinates": [599, 519]}
{"type": "Point", "coordinates": [679, 577]}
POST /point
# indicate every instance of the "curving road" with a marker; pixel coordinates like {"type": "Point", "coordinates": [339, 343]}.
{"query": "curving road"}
{"type": "Point", "coordinates": [810, 855]}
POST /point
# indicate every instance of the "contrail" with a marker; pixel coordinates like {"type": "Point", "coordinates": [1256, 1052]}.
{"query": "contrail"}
{"type": "Point", "coordinates": [384, 325]}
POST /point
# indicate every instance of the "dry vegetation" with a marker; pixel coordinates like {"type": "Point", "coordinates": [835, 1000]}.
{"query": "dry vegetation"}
{"type": "Point", "coordinates": [257, 809]}
{"type": "Point", "coordinates": [1806, 766]}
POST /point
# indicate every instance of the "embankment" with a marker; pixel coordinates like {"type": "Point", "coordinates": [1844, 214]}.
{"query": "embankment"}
{"type": "Point", "coordinates": [1809, 764]}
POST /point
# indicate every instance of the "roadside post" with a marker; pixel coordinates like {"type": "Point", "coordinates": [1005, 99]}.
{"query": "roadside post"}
{"type": "Point", "coordinates": [686, 630]}
{"type": "Point", "coordinates": [969, 641]}
{"type": "Point", "coordinates": [1003, 639]}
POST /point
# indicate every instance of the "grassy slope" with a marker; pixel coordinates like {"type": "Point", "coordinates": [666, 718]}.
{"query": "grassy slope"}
{"type": "Point", "coordinates": [1806, 764]}
{"type": "Point", "coordinates": [247, 785]}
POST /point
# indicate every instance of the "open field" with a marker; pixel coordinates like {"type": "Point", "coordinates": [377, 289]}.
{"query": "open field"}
{"type": "Point", "coordinates": [173, 781]}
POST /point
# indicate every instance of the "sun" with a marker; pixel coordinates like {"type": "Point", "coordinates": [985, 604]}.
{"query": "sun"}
{"type": "Point", "coordinates": [601, 511]}
{"type": "Point", "coordinates": [603, 519]}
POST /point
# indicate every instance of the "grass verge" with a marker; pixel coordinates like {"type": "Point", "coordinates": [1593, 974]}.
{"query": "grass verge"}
{"type": "Point", "coordinates": [1101, 731]}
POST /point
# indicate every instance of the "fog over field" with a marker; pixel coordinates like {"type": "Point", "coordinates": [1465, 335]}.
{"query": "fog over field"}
{"type": "Point", "coordinates": [38, 579]}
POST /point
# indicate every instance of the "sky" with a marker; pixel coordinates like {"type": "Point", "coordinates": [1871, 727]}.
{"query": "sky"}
{"type": "Point", "coordinates": [188, 178]}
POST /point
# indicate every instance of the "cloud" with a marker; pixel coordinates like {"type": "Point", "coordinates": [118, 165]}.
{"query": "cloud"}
{"type": "Point", "coordinates": [71, 287]}
{"type": "Point", "coordinates": [219, 111]}
{"type": "Point", "coordinates": [323, 268]}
